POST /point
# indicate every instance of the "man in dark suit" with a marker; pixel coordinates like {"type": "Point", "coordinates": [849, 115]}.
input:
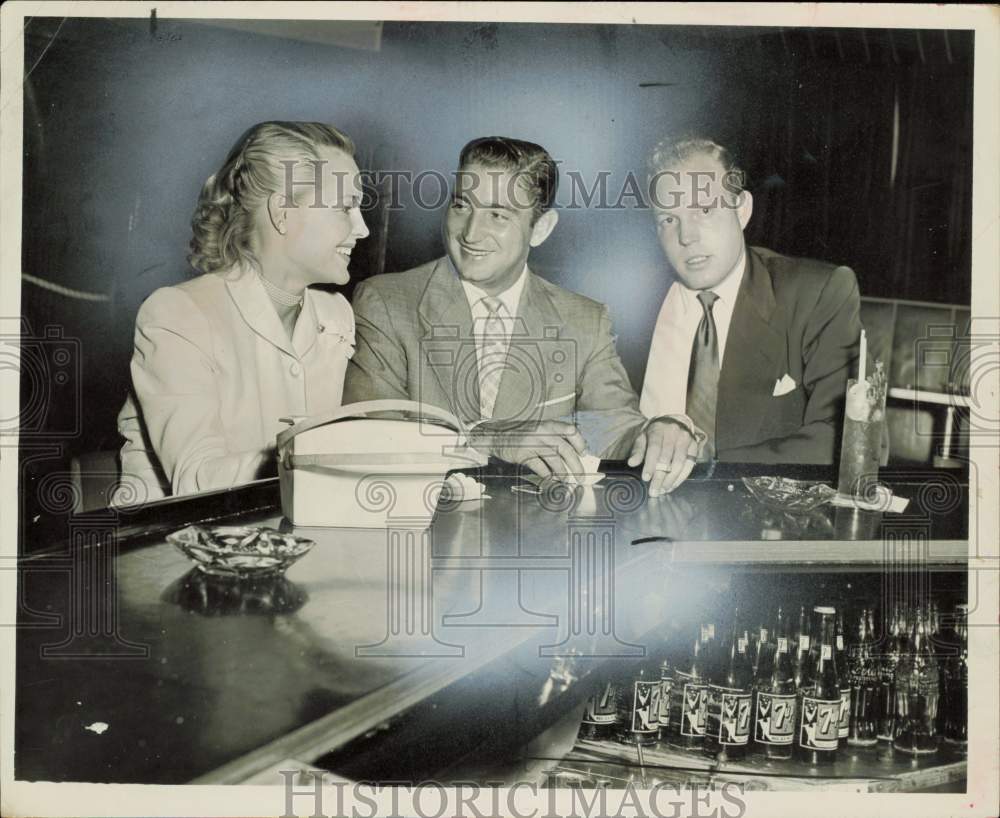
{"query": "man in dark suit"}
{"type": "Point", "coordinates": [531, 366]}
{"type": "Point", "coordinates": [753, 346]}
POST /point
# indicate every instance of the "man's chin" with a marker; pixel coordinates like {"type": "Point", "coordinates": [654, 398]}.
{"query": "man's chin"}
{"type": "Point", "coordinates": [471, 271]}
{"type": "Point", "coordinates": [701, 280]}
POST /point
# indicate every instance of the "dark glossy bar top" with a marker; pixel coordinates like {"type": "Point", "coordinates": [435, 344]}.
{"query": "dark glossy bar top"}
{"type": "Point", "coordinates": [711, 506]}
{"type": "Point", "coordinates": [193, 675]}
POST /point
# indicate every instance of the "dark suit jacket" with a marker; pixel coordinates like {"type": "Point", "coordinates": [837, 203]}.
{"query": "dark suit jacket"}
{"type": "Point", "coordinates": [415, 340]}
{"type": "Point", "coordinates": [797, 317]}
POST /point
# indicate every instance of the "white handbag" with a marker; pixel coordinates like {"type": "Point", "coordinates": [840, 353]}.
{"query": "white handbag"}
{"type": "Point", "coordinates": [348, 469]}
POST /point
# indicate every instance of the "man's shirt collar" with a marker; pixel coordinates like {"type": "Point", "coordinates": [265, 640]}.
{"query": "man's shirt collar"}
{"type": "Point", "coordinates": [510, 298]}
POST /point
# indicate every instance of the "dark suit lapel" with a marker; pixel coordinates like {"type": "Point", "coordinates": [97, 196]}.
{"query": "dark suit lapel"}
{"type": "Point", "coordinates": [524, 384]}
{"type": "Point", "coordinates": [755, 349]}
{"type": "Point", "coordinates": [447, 346]}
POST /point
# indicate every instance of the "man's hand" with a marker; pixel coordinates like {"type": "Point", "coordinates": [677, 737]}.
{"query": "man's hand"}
{"type": "Point", "coordinates": [667, 451]}
{"type": "Point", "coordinates": [550, 448]}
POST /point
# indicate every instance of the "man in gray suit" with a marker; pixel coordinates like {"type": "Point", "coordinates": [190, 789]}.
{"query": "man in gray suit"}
{"type": "Point", "coordinates": [531, 366]}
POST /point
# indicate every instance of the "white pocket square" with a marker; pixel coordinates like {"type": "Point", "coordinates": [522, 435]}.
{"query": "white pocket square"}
{"type": "Point", "coordinates": [783, 386]}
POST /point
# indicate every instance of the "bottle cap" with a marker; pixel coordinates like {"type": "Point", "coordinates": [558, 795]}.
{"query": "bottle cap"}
{"type": "Point", "coordinates": [822, 609]}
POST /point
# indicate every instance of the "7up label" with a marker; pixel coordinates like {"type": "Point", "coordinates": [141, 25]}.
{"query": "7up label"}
{"type": "Point", "coordinates": [646, 707]}
{"type": "Point", "coordinates": [734, 722]}
{"type": "Point", "coordinates": [693, 709]}
{"type": "Point", "coordinates": [775, 722]}
{"type": "Point", "coordinates": [820, 718]}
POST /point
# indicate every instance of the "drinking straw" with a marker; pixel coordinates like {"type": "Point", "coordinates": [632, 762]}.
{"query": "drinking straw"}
{"type": "Point", "coordinates": [864, 358]}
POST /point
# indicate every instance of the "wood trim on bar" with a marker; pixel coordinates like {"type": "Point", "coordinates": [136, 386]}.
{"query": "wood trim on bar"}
{"type": "Point", "coordinates": [340, 726]}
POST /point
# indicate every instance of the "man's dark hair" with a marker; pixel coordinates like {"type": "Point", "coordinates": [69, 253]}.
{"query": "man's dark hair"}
{"type": "Point", "coordinates": [534, 170]}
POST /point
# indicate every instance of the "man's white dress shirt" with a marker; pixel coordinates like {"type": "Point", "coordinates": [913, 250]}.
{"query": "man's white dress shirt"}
{"type": "Point", "coordinates": [664, 391]}
{"type": "Point", "coordinates": [509, 300]}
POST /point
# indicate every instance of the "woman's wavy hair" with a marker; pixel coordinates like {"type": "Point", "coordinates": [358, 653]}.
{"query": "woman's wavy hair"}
{"type": "Point", "coordinates": [223, 221]}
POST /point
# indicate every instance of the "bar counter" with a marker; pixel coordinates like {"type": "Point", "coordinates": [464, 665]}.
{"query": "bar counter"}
{"type": "Point", "coordinates": [398, 653]}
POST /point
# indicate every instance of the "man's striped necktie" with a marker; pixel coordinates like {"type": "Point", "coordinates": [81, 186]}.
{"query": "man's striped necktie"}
{"type": "Point", "coordinates": [493, 356]}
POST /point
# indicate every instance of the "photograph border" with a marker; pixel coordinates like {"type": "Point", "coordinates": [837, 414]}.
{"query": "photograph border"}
{"type": "Point", "coordinates": [63, 799]}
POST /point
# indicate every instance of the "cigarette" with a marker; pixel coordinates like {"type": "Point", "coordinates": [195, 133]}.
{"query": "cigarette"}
{"type": "Point", "coordinates": [570, 396]}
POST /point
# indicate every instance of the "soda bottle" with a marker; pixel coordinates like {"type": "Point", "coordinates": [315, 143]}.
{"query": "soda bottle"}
{"type": "Point", "coordinates": [957, 695]}
{"type": "Point", "coordinates": [638, 705]}
{"type": "Point", "coordinates": [917, 688]}
{"type": "Point", "coordinates": [775, 697]}
{"type": "Point", "coordinates": [727, 731]}
{"type": "Point", "coordinates": [905, 618]}
{"type": "Point", "coordinates": [844, 723]}
{"type": "Point", "coordinates": [819, 704]}
{"type": "Point", "coordinates": [666, 685]}
{"type": "Point", "coordinates": [709, 650]}
{"type": "Point", "coordinates": [761, 649]}
{"type": "Point", "coordinates": [801, 657]}
{"type": "Point", "coordinates": [887, 667]}
{"type": "Point", "coordinates": [600, 714]}
{"type": "Point", "coordinates": [863, 677]}
{"type": "Point", "coordinates": [937, 637]}
{"type": "Point", "coordinates": [687, 699]}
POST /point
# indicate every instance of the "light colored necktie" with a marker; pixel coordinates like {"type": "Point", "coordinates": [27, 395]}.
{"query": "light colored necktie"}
{"type": "Point", "coordinates": [703, 374]}
{"type": "Point", "coordinates": [492, 356]}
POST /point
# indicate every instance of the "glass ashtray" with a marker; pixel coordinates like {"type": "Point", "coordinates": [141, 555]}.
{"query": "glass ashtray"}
{"type": "Point", "coordinates": [211, 594]}
{"type": "Point", "coordinates": [240, 551]}
{"type": "Point", "coordinates": [789, 496]}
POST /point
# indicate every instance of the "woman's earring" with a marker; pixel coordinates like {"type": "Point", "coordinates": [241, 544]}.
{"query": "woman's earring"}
{"type": "Point", "coordinates": [282, 229]}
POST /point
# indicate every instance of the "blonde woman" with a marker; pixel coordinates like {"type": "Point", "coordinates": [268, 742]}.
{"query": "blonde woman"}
{"type": "Point", "coordinates": [220, 358]}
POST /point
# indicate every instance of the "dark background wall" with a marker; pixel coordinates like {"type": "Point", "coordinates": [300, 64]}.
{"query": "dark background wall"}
{"type": "Point", "coordinates": [858, 146]}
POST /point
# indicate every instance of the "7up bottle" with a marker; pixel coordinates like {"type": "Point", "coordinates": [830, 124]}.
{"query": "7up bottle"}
{"type": "Point", "coordinates": [639, 705]}
{"type": "Point", "coordinates": [727, 730]}
{"type": "Point", "coordinates": [599, 716]}
{"type": "Point", "coordinates": [774, 722]}
{"type": "Point", "coordinates": [819, 702]}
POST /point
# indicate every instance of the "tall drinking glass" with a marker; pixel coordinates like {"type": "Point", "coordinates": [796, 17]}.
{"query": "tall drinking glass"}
{"type": "Point", "coordinates": [864, 421]}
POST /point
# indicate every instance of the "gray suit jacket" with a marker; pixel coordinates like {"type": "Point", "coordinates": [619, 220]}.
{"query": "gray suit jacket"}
{"type": "Point", "coordinates": [415, 341]}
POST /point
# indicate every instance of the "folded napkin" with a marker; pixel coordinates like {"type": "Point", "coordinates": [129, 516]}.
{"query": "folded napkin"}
{"type": "Point", "coordinates": [885, 500]}
{"type": "Point", "coordinates": [590, 476]}
{"type": "Point", "coordinates": [462, 488]}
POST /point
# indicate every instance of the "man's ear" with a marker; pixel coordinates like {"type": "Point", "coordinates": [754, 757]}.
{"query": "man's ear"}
{"type": "Point", "coordinates": [543, 227]}
{"type": "Point", "coordinates": [745, 208]}
{"type": "Point", "coordinates": [276, 212]}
